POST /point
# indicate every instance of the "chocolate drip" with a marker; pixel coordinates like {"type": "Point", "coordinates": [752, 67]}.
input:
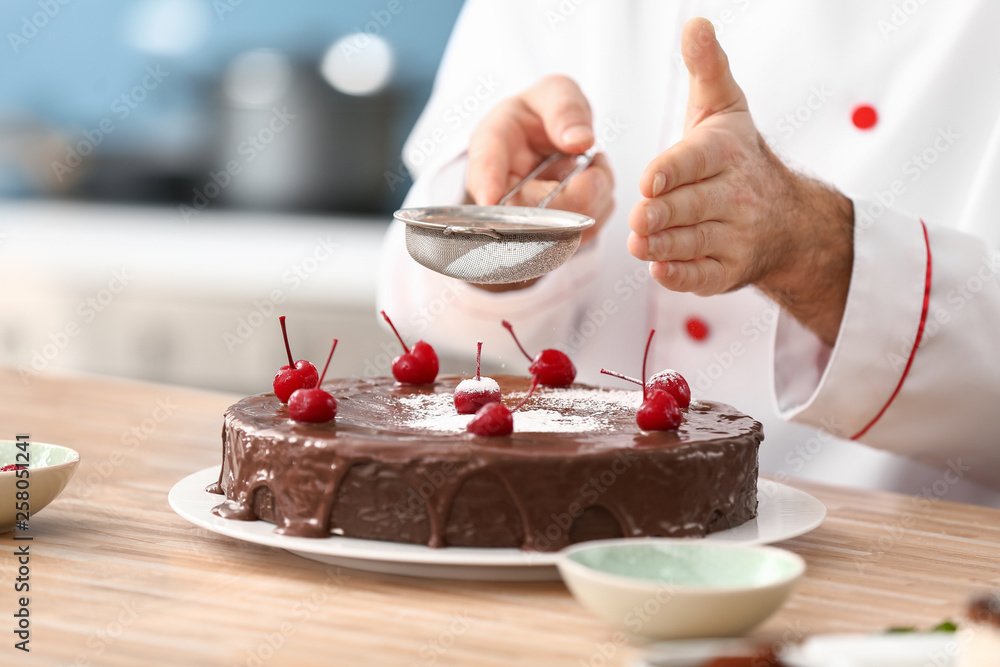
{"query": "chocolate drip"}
{"type": "Point", "coordinates": [407, 482]}
{"type": "Point", "coordinates": [216, 487]}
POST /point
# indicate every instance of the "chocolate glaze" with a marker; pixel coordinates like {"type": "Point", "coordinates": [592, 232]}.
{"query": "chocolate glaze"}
{"type": "Point", "coordinates": [371, 475]}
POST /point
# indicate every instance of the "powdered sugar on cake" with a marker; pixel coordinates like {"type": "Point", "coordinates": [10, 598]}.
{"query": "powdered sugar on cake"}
{"type": "Point", "coordinates": [550, 411]}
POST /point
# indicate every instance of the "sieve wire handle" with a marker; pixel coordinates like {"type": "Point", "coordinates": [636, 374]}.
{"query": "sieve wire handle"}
{"type": "Point", "coordinates": [582, 162]}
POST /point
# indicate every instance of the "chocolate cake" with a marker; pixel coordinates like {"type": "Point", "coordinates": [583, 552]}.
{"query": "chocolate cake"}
{"type": "Point", "coordinates": [397, 465]}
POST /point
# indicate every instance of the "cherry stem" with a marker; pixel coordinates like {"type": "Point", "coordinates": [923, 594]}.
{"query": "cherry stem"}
{"type": "Point", "coordinates": [534, 385]}
{"type": "Point", "coordinates": [405, 349]}
{"type": "Point", "coordinates": [644, 356]}
{"type": "Point", "coordinates": [510, 328]}
{"type": "Point", "coordinates": [479, 354]}
{"type": "Point", "coordinates": [620, 376]}
{"type": "Point", "coordinates": [323, 374]}
{"type": "Point", "coordinates": [284, 334]}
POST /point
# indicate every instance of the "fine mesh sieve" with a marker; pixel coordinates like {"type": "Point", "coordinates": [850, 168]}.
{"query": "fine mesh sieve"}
{"type": "Point", "coordinates": [500, 244]}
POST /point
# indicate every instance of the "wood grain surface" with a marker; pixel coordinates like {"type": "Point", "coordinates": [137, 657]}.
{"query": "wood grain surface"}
{"type": "Point", "coordinates": [117, 578]}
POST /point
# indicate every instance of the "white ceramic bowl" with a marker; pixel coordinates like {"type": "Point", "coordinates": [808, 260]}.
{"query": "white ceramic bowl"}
{"type": "Point", "coordinates": [50, 468]}
{"type": "Point", "coordinates": [676, 589]}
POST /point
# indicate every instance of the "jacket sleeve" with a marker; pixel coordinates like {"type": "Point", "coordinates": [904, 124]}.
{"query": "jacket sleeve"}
{"type": "Point", "coordinates": [915, 368]}
{"type": "Point", "coordinates": [490, 56]}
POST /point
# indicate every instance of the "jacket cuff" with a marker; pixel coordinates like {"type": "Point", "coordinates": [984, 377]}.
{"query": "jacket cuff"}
{"type": "Point", "coordinates": [844, 390]}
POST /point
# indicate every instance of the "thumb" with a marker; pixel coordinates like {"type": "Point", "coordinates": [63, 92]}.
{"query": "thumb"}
{"type": "Point", "coordinates": [712, 88]}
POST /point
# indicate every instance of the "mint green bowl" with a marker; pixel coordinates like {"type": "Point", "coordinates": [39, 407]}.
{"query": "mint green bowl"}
{"type": "Point", "coordinates": [50, 468]}
{"type": "Point", "coordinates": [679, 589]}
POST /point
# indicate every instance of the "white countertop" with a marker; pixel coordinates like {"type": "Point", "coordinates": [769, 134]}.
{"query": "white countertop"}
{"type": "Point", "coordinates": [143, 293]}
{"type": "Point", "coordinates": [224, 253]}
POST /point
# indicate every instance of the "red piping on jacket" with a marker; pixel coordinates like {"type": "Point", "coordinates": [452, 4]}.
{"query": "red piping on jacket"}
{"type": "Point", "coordinates": [916, 341]}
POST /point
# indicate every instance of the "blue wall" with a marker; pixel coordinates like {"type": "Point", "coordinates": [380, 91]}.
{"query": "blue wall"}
{"type": "Point", "coordinates": [63, 65]}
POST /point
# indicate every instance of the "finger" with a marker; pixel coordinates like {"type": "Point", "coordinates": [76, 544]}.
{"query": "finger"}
{"type": "Point", "coordinates": [705, 276]}
{"type": "Point", "coordinates": [582, 195]}
{"type": "Point", "coordinates": [711, 88]}
{"type": "Point", "coordinates": [588, 192]}
{"type": "Point", "coordinates": [687, 205]}
{"type": "Point", "coordinates": [490, 155]}
{"type": "Point", "coordinates": [701, 155]}
{"type": "Point", "coordinates": [682, 243]}
{"type": "Point", "coordinates": [564, 111]}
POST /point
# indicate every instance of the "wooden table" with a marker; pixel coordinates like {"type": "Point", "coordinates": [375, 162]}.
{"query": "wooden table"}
{"type": "Point", "coordinates": [117, 578]}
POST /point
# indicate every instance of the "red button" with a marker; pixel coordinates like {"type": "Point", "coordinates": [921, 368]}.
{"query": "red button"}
{"type": "Point", "coordinates": [864, 117]}
{"type": "Point", "coordinates": [696, 328]}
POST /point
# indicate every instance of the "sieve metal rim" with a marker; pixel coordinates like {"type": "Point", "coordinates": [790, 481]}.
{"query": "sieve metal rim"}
{"type": "Point", "coordinates": [495, 221]}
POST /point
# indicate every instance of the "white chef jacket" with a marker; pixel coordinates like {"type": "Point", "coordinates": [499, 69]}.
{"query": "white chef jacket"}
{"type": "Point", "coordinates": [925, 181]}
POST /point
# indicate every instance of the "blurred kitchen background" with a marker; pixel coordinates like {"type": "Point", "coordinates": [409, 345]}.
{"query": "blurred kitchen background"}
{"type": "Point", "coordinates": [174, 174]}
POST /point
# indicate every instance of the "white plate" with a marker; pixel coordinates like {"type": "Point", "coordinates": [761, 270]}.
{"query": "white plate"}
{"type": "Point", "coordinates": [782, 513]}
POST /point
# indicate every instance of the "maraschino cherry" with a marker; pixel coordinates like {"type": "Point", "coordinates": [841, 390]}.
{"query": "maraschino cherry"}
{"type": "Point", "coordinates": [491, 420]}
{"type": "Point", "coordinates": [296, 375]}
{"type": "Point", "coordinates": [416, 366]}
{"type": "Point", "coordinates": [314, 406]}
{"type": "Point", "coordinates": [552, 367]}
{"type": "Point", "coordinates": [674, 384]}
{"type": "Point", "coordinates": [660, 410]}
{"type": "Point", "coordinates": [668, 380]}
{"type": "Point", "coordinates": [495, 419]}
{"type": "Point", "coordinates": [470, 395]}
